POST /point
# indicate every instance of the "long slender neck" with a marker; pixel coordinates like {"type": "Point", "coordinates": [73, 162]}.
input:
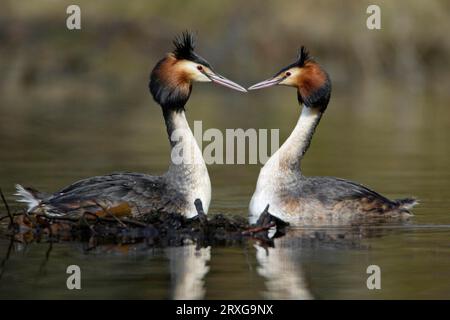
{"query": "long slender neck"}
{"type": "Point", "coordinates": [186, 157]}
{"type": "Point", "coordinates": [293, 149]}
{"type": "Point", "coordinates": [175, 120]}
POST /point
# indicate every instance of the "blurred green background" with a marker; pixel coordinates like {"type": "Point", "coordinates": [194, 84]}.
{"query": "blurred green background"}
{"type": "Point", "coordinates": [75, 104]}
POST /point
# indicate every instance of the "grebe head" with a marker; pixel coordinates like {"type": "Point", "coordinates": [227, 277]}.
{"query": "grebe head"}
{"type": "Point", "coordinates": [311, 80]}
{"type": "Point", "coordinates": [172, 77]}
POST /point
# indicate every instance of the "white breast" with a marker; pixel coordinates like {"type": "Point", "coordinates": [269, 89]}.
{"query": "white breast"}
{"type": "Point", "coordinates": [274, 176]}
{"type": "Point", "coordinates": [187, 172]}
{"type": "Point", "coordinates": [265, 194]}
{"type": "Point", "coordinates": [202, 191]}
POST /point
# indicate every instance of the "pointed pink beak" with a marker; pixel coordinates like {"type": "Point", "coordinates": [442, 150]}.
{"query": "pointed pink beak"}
{"type": "Point", "coordinates": [217, 78]}
{"type": "Point", "coordinates": [266, 83]}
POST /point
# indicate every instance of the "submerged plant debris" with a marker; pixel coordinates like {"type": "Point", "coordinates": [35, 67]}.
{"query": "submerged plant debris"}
{"type": "Point", "coordinates": [159, 229]}
{"type": "Point", "coordinates": [162, 229]}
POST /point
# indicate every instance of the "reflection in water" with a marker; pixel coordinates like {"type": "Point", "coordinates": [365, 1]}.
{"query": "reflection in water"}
{"type": "Point", "coordinates": [282, 265]}
{"type": "Point", "coordinates": [188, 268]}
{"type": "Point", "coordinates": [306, 263]}
{"type": "Point", "coordinates": [284, 279]}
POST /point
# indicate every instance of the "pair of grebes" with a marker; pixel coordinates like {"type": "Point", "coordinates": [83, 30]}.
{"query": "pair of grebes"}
{"type": "Point", "coordinates": [292, 197]}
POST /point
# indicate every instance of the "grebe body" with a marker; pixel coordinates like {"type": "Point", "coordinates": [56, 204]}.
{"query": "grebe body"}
{"type": "Point", "coordinates": [296, 198]}
{"type": "Point", "coordinates": [135, 193]}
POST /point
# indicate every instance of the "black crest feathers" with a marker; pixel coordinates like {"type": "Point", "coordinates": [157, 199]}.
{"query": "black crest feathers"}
{"type": "Point", "coordinates": [184, 46]}
{"type": "Point", "coordinates": [303, 56]}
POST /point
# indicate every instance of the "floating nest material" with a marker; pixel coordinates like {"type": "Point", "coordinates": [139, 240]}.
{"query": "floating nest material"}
{"type": "Point", "coordinates": [156, 229]}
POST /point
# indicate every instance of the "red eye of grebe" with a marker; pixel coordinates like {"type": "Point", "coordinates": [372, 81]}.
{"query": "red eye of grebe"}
{"type": "Point", "coordinates": [200, 68]}
{"type": "Point", "coordinates": [288, 74]}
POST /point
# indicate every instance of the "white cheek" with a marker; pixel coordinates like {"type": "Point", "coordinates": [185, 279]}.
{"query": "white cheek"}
{"type": "Point", "coordinates": [289, 81]}
{"type": "Point", "coordinates": [200, 77]}
{"type": "Point", "coordinates": [292, 79]}
{"type": "Point", "coordinates": [194, 73]}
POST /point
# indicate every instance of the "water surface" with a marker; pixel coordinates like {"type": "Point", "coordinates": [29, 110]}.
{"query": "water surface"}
{"type": "Point", "coordinates": [399, 151]}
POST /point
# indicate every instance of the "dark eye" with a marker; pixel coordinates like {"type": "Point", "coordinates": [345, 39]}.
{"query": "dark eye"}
{"type": "Point", "coordinates": [288, 74]}
{"type": "Point", "coordinates": [200, 68]}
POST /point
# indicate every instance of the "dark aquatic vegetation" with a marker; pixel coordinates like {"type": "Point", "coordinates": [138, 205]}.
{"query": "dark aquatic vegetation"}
{"type": "Point", "coordinates": [165, 229]}
{"type": "Point", "coordinates": [157, 229]}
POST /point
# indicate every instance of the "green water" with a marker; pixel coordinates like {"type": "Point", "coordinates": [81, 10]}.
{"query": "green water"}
{"type": "Point", "coordinates": [398, 150]}
{"type": "Point", "coordinates": [75, 104]}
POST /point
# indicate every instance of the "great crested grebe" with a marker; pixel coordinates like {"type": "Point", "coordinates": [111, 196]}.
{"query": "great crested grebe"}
{"type": "Point", "coordinates": [292, 196]}
{"type": "Point", "coordinates": [136, 193]}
